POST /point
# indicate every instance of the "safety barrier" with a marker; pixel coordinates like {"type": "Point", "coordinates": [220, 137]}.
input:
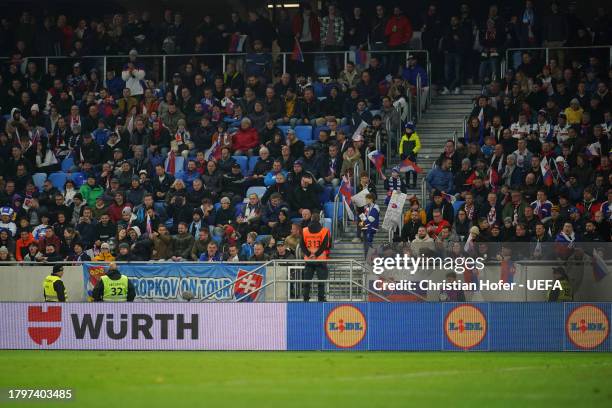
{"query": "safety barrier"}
{"type": "Point", "coordinates": [513, 55]}
{"type": "Point", "coordinates": [203, 281]}
{"type": "Point", "coordinates": [302, 326]}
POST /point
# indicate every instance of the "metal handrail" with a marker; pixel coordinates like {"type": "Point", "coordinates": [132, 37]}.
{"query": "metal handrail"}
{"type": "Point", "coordinates": [224, 57]}
{"type": "Point", "coordinates": [419, 88]}
{"type": "Point", "coordinates": [335, 217]}
{"type": "Point", "coordinates": [424, 192]}
{"type": "Point", "coordinates": [366, 162]}
{"type": "Point", "coordinates": [356, 171]}
{"type": "Point", "coordinates": [548, 49]}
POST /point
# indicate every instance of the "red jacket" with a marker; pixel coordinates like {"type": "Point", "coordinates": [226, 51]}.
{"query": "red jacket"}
{"type": "Point", "coordinates": [402, 33]}
{"type": "Point", "coordinates": [315, 28]}
{"type": "Point", "coordinates": [114, 211]}
{"type": "Point", "coordinates": [21, 247]}
{"type": "Point", "coordinates": [245, 139]}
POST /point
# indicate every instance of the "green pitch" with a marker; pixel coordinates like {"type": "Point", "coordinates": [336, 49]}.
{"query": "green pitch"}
{"type": "Point", "coordinates": [312, 379]}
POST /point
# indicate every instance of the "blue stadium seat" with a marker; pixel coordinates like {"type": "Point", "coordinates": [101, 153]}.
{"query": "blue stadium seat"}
{"type": "Point", "coordinates": [328, 210]}
{"type": "Point", "coordinates": [457, 205]}
{"type": "Point", "coordinates": [239, 208]}
{"type": "Point", "coordinates": [259, 190]}
{"type": "Point", "coordinates": [67, 164]}
{"type": "Point", "coordinates": [284, 129]}
{"type": "Point", "coordinates": [179, 174]}
{"type": "Point", "coordinates": [78, 178]}
{"type": "Point", "coordinates": [304, 133]}
{"type": "Point", "coordinates": [217, 206]}
{"type": "Point", "coordinates": [261, 238]}
{"type": "Point", "coordinates": [243, 162]}
{"type": "Point", "coordinates": [252, 161]}
{"type": "Point", "coordinates": [39, 179]}
{"type": "Point", "coordinates": [296, 220]}
{"type": "Point", "coordinates": [324, 197]}
{"type": "Point", "coordinates": [58, 180]}
{"type": "Point", "coordinates": [327, 223]}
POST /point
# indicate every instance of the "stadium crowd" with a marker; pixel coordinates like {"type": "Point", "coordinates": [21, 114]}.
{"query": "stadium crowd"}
{"type": "Point", "coordinates": [230, 163]}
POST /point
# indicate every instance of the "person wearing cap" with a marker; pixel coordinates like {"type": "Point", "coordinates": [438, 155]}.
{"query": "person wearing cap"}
{"type": "Point", "coordinates": [282, 252]}
{"type": "Point", "coordinates": [105, 254]}
{"type": "Point", "coordinates": [563, 294]}
{"type": "Point", "coordinates": [561, 129]}
{"type": "Point", "coordinates": [133, 74]}
{"type": "Point", "coordinates": [574, 112]}
{"type": "Point", "coordinates": [53, 286]}
{"type": "Point", "coordinates": [409, 147]}
{"type": "Point", "coordinates": [394, 183]}
{"type": "Point", "coordinates": [114, 287]}
{"type": "Point", "coordinates": [542, 127]}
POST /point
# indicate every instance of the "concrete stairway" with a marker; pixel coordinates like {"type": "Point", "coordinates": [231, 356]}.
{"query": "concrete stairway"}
{"type": "Point", "coordinates": [438, 124]}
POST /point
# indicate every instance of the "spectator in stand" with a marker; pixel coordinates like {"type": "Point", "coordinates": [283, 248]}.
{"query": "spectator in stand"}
{"type": "Point", "coordinates": [398, 31]}
{"type": "Point", "coordinates": [453, 44]}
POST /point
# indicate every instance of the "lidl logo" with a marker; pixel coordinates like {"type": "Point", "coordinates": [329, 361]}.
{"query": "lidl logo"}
{"type": "Point", "coordinates": [465, 326]}
{"type": "Point", "coordinates": [587, 327]}
{"type": "Point", "coordinates": [345, 326]}
{"type": "Point", "coordinates": [46, 332]}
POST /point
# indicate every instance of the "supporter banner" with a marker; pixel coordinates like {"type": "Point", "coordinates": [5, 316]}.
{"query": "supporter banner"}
{"type": "Point", "coordinates": [143, 326]}
{"type": "Point", "coordinates": [169, 281]}
{"type": "Point", "coordinates": [393, 216]}
{"type": "Point", "coordinates": [450, 326]}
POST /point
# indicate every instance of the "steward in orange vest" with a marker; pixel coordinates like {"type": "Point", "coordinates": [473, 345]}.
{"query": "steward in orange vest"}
{"type": "Point", "coordinates": [315, 244]}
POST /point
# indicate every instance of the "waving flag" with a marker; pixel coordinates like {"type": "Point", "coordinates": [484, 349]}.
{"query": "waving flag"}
{"type": "Point", "coordinates": [347, 196]}
{"type": "Point", "coordinates": [560, 171]}
{"type": "Point", "coordinates": [493, 179]}
{"type": "Point", "coordinates": [600, 269]}
{"type": "Point", "coordinates": [508, 270]}
{"type": "Point", "coordinates": [149, 226]}
{"type": "Point", "coordinates": [546, 173]}
{"type": "Point", "coordinates": [409, 165]}
{"type": "Point", "coordinates": [361, 57]}
{"type": "Point", "coordinates": [171, 162]}
{"type": "Point", "coordinates": [377, 159]}
{"type": "Point", "coordinates": [297, 54]}
{"type": "Point", "coordinates": [449, 197]}
{"type": "Point", "coordinates": [214, 149]}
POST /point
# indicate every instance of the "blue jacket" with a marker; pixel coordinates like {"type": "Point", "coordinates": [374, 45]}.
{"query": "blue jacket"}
{"type": "Point", "coordinates": [440, 180]}
{"type": "Point", "coordinates": [270, 178]}
{"type": "Point", "coordinates": [410, 75]}
{"type": "Point", "coordinates": [372, 218]}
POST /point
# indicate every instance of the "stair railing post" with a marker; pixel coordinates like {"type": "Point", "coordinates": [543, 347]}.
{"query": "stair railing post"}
{"type": "Point", "coordinates": [418, 97]}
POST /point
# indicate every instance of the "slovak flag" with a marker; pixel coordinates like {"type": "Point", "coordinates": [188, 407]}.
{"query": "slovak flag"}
{"type": "Point", "coordinates": [493, 179]}
{"type": "Point", "coordinates": [377, 158]}
{"type": "Point", "coordinates": [297, 54]}
{"type": "Point", "coordinates": [212, 152]}
{"type": "Point", "coordinates": [149, 226]}
{"type": "Point", "coordinates": [247, 285]}
{"type": "Point", "coordinates": [600, 269]}
{"type": "Point", "coordinates": [409, 165]}
{"type": "Point", "coordinates": [546, 173]}
{"type": "Point", "coordinates": [347, 196]}
{"type": "Point", "coordinates": [171, 163]}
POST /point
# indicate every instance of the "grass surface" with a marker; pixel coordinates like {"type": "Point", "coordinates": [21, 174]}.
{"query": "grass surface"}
{"type": "Point", "coordinates": [312, 379]}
